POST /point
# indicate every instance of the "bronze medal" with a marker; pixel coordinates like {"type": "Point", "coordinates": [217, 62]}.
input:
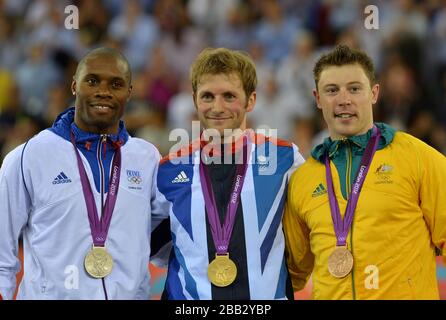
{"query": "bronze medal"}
{"type": "Point", "coordinates": [222, 271]}
{"type": "Point", "coordinates": [98, 262]}
{"type": "Point", "coordinates": [340, 262]}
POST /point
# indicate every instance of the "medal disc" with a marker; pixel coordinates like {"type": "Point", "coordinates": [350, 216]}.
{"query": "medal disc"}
{"type": "Point", "coordinates": [222, 271]}
{"type": "Point", "coordinates": [340, 262]}
{"type": "Point", "coordinates": [98, 262]}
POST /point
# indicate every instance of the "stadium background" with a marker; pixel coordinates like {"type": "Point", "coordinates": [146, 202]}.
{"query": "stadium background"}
{"type": "Point", "coordinates": [38, 56]}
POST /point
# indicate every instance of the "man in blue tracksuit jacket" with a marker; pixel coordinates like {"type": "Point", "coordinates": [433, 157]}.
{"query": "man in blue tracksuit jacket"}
{"type": "Point", "coordinates": [52, 187]}
{"type": "Point", "coordinates": [248, 262]}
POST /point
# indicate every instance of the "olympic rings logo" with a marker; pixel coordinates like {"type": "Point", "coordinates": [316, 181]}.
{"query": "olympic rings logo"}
{"type": "Point", "coordinates": [134, 179]}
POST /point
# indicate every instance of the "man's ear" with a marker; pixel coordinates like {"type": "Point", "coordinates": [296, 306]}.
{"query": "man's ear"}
{"type": "Point", "coordinates": [317, 98]}
{"type": "Point", "coordinates": [251, 102]}
{"type": "Point", "coordinates": [73, 87]}
{"type": "Point", "coordinates": [129, 93]}
{"type": "Point", "coordinates": [194, 96]}
{"type": "Point", "coordinates": [375, 93]}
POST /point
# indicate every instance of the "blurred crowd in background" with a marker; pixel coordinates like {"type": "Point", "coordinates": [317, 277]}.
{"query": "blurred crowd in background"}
{"type": "Point", "coordinates": [161, 38]}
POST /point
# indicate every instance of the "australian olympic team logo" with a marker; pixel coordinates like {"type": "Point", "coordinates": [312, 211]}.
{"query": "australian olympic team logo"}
{"type": "Point", "coordinates": [134, 177]}
{"type": "Point", "coordinates": [384, 174]}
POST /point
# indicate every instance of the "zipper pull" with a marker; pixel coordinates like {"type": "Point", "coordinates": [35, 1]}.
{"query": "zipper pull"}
{"type": "Point", "coordinates": [104, 144]}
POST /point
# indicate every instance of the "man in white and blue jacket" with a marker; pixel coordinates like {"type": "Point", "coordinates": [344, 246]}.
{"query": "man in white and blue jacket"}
{"type": "Point", "coordinates": [52, 187]}
{"type": "Point", "coordinates": [247, 262]}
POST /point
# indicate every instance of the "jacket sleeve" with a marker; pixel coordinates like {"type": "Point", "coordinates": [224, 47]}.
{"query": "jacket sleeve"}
{"type": "Point", "coordinates": [300, 259]}
{"type": "Point", "coordinates": [161, 239]}
{"type": "Point", "coordinates": [15, 205]}
{"type": "Point", "coordinates": [298, 158]}
{"type": "Point", "coordinates": [432, 168]}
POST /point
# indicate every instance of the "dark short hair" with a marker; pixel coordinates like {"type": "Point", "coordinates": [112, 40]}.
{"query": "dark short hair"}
{"type": "Point", "coordinates": [343, 55]}
{"type": "Point", "coordinates": [106, 51]}
{"type": "Point", "coordinates": [226, 61]}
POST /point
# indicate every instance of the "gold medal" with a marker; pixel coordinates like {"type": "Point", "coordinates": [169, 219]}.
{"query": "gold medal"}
{"type": "Point", "coordinates": [98, 262]}
{"type": "Point", "coordinates": [222, 271]}
{"type": "Point", "coordinates": [340, 262]}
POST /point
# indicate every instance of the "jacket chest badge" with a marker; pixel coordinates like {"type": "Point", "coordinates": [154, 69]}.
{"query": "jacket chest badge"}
{"type": "Point", "coordinates": [61, 178]}
{"type": "Point", "coordinates": [384, 174]}
{"type": "Point", "coordinates": [319, 191]}
{"type": "Point", "coordinates": [263, 163]}
{"type": "Point", "coordinates": [134, 178]}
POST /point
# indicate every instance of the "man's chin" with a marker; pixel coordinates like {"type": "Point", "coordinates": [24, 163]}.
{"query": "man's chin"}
{"type": "Point", "coordinates": [340, 133]}
{"type": "Point", "coordinates": [104, 127]}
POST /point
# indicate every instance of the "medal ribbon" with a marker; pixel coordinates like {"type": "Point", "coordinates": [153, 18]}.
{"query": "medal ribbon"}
{"type": "Point", "coordinates": [99, 228]}
{"type": "Point", "coordinates": [342, 226]}
{"type": "Point", "coordinates": [221, 234]}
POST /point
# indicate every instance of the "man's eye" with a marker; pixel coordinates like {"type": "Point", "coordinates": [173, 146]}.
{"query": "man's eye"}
{"type": "Point", "coordinates": [331, 90]}
{"type": "Point", "coordinates": [117, 84]}
{"type": "Point", "coordinates": [206, 97]}
{"type": "Point", "coordinates": [92, 81]}
{"type": "Point", "coordinates": [354, 89]}
{"type": "Point", "coordinates": [229, 96]}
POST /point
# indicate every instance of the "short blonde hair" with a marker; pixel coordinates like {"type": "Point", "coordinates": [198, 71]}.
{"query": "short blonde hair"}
{"type": "Point", "coordinates": [226, 61]}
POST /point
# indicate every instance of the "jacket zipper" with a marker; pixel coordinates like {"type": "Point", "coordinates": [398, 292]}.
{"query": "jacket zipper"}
{"type": "Point", "coordinates": [102, 146]}
{"type": "Point", "coordinates": [348, 188]}
{"type": "Point", "coordinates": [103, 141]}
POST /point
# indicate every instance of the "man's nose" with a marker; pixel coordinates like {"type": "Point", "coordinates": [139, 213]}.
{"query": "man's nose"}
{"type": "Point", "coordinates": [344, 97]}
{"type": "Point", "coordinates": [218, 104]}
{"type": "Point", "coordinates": [103, 90]}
